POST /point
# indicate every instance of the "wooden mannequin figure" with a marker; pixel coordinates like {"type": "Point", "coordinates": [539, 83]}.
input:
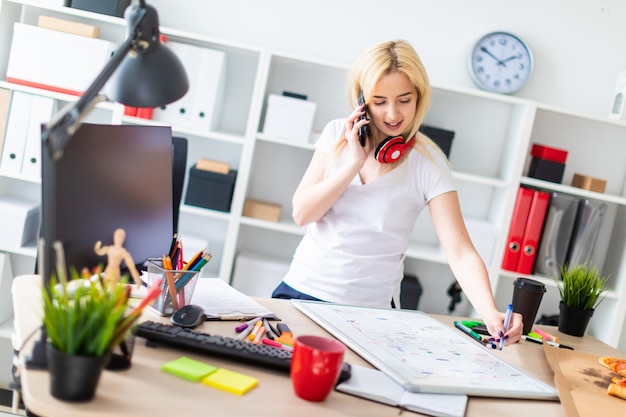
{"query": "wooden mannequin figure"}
{"type": "Point", "coordinates": [116, 253]}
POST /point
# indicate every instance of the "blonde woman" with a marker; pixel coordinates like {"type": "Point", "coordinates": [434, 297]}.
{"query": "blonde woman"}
{"type": "Point", "coordinates": [360, 202]}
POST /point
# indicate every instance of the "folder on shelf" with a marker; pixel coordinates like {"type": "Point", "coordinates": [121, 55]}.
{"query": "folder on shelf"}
{"type": "Point", "coordinates": [199, 108]}
{"type": "Point", "coordinates": [590, 216]}
{"type": "Point", "coordinates": [16, 132]}
{"type": "Point", "coordinates": [516, 230]}
{"type": "Point", "coordinates": [41, 112]}
{"type": "Point", "coordinates": [5, 101]}
{"type": "Point", "coordinates": [533, 230]}
{"type": "Point", "coordinates": [557, 233]}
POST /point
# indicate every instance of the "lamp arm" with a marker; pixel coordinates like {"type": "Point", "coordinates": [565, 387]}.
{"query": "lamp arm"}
{"type": "Point", "coordinates": [56, 135]}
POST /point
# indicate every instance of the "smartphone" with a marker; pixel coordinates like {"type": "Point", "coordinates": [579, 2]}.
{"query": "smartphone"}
{"type": "Point", "coordinates": [363, 130]}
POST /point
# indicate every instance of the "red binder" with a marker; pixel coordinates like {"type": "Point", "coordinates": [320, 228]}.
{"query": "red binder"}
{"type": "Point", "coordinates": [532, 233]}
{"type": "Point", "coordinates": [516, 231]}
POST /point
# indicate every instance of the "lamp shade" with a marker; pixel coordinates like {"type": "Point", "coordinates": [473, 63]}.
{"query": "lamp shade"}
{"type": "Point", "coordinates": [151, 75]}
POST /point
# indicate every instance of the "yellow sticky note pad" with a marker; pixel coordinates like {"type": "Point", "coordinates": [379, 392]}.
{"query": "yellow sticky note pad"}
{"type": "Point", "coordinates": [230, 381]}
{"type": "Point", "coordinates": [188, 368]}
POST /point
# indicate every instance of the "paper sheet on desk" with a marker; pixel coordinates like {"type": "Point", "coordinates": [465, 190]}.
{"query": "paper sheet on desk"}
{"type": "Point", "coordinates": [221, 301]}
{"type": "Point", "coordinates": [582, 383]}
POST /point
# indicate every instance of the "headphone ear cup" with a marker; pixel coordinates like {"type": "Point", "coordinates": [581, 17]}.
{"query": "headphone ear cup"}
{"type": "Point", "coordinates": [391, 149]}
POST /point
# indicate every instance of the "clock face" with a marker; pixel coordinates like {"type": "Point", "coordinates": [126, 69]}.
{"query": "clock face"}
{"type": "Point", "coordinates": [500, 62]}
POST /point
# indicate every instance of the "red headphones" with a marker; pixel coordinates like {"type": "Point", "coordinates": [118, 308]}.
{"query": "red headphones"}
{"type": "Point", "coordinates": [392, 148]}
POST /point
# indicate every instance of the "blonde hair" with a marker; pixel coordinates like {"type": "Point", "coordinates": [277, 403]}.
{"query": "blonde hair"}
{"type": "Point", "coordinates": [380, 60]}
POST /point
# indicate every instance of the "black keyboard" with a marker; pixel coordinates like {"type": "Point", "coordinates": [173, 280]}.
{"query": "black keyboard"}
{"type": "Point", "coordinates": [227, 347]}
{"type": "Point", "coordinates": [223, 346]}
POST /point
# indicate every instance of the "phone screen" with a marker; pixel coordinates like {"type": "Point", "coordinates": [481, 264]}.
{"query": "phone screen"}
{"type": "Point", "coordinates": [363, 130]}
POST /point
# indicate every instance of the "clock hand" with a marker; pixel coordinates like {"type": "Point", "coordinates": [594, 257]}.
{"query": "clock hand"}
{"type": "Point", "coordinates": [510, 58]}
{"type": "Point", "coordinates": [485, 50]}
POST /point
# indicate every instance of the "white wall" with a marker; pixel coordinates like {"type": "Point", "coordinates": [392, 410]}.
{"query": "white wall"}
{"type": "Point", "coordinates": [579, 46]}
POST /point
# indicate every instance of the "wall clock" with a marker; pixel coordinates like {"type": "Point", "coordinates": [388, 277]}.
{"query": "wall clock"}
{"type": "Point", "coordinates": [500, 62]}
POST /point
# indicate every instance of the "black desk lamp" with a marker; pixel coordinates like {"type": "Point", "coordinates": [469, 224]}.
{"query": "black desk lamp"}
{"type": "Point", "coordinates": [147, 74]}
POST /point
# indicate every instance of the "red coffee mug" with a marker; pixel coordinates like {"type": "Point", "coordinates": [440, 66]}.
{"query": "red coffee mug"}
{"type": "Point", "coordinates": [315, 366]}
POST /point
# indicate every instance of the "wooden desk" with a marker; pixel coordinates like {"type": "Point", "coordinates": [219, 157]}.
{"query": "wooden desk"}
{"type": "Point", "coordinates": [144, 390]}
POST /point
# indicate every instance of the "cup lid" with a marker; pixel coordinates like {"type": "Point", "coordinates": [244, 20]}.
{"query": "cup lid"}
{"type": "Point", "coordinates": [529, 285]}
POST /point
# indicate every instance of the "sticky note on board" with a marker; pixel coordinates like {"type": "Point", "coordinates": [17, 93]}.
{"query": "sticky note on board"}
{"type": "Point", "coordinates": [230, 381]}
{"type": "Point", "coordinates": [187, 368]}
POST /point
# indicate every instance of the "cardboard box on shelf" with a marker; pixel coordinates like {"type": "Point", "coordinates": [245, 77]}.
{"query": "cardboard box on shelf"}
{"type": "Point", "coordinates": [261, 210]}
{"type": "Point", "coordinates": [213, 166]}
{"type": "Point", "coordinates": [589, 183]}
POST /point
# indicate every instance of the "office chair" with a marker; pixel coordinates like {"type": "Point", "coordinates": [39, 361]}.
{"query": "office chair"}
{"type": "Point", "coordinates": [179, 168]}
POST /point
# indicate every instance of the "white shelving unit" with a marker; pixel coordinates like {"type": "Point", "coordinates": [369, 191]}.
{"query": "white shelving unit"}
{"type": "Point", "coordinates": [493, 136]}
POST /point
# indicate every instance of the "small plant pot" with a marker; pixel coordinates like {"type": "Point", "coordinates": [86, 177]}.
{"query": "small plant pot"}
{"type": "Point", "coordinates": [573, 321]}
{"type": "Point", "coordinates": [74, 378]}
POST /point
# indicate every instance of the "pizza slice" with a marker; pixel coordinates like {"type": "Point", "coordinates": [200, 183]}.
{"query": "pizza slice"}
{"type": "Point", "coordinates": [617, 388]}
{"type": "Point", "coordinates": [616, 365]}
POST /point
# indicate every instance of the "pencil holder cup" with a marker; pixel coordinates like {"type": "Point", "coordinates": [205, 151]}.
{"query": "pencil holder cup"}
{"type": "Point", "coordinates": [176, 287]}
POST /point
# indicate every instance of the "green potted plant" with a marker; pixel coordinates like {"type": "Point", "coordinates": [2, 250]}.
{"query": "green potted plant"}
{"type": "Point", "coordinates": [582, 288]}
{"type": "Point", "coordinates": [83, 326]}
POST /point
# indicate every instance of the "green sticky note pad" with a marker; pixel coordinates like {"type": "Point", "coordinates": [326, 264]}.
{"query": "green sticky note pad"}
{"type": "Point", "coordinates": [230, 381]}
{"type": "Point", "coordinates": [188, 368]}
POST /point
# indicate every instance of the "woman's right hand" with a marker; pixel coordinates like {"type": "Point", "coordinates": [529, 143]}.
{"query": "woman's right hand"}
{"type": "Point", "coordinates": [353, 124]}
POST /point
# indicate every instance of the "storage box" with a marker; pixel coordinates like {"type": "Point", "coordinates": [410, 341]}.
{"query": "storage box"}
{"type": "Point", "coordinates": [109, 7]}
{"type": "Point", "coordinates": [549, 153]}
{"type": "Point", "coordinates": [55, 60]}
{"type": "Point", "coordinates": [210, 189]}
{"type": "Point", "coordinates": [261, 210]}
{"type": "Point", "coordinates": [589, 183]}
{"type": "Point", "coordinates": [544, 169]}
{"type": "Point", "coordinates": [257, 275]}
{"type": "Point", "coordinates": [443, 138]}
{"type": "Point", "coordinates": [19, 221]}
{"type": "Point", "coordinates": [289, 118]}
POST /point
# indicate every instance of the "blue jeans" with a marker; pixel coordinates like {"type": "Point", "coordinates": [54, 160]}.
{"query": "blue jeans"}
{"type": "Point", "coordinates": [284, 291]}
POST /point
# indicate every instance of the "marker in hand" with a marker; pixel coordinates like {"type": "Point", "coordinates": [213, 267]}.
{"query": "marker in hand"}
{"type": "Point", "coordinates": [507, 320]}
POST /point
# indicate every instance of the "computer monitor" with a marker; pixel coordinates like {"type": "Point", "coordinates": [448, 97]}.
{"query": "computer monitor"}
{"type": "Point", "coordinates": [115, 176]}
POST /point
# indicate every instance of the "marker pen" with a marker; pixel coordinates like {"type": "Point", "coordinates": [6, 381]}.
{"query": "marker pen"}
{"type": "Point", "coordinates": [469, 332]}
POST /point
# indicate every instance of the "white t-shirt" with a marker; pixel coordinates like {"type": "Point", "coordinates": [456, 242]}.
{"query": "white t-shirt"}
{"type": "Point", "coordinates": [354, 254]}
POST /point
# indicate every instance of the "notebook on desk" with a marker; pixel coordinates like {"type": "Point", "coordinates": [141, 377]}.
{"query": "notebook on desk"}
{"type": "Point", "coordinates": [422, 354]}
{"type": "Point", "coordinates": [221, 301]}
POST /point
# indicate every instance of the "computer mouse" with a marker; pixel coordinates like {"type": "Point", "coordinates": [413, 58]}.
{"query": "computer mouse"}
{"type": "Point", "coordinates": [188, 316]}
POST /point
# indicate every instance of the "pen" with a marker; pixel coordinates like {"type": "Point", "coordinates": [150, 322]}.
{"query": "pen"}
{"type": "Point", "coordinates": [259, 334]}
{"type": "Point", "coordinates": [546, 335]}
{"type": "Point", "coordinates": [469, 332]}
{"type": "Point", "coordinates": [507, 320]}
{"type": "Point", "coordinates": [268, 329]}
{"type": "Point", "coordinates": [255, 330]}
{"type": "Point", "coordinates": [171, 286]}
{"type": "Point", "coordinates": [243, 326]}
{"type": "Point", "coordinates": [471, 324]}
{"type": "Point", "coordinates": [270, 342]}
{"type": "Point", "coordinates": [551, 343]}
{"type": "Point", "coordinates": [245, 333]}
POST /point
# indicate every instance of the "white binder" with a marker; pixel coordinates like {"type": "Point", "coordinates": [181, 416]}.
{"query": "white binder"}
{"type": "Point", "coordinates": [5, 101]}
{"type": "Point", "coordinates": [41, 112]}
{"type": "Point", "coordinates": [200, 107]}
{"type": "Point", "coordinates": [16, 132]}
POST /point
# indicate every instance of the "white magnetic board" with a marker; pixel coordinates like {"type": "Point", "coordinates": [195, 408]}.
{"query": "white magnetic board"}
{"type": "Point", "coordinates": [423, 354]}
